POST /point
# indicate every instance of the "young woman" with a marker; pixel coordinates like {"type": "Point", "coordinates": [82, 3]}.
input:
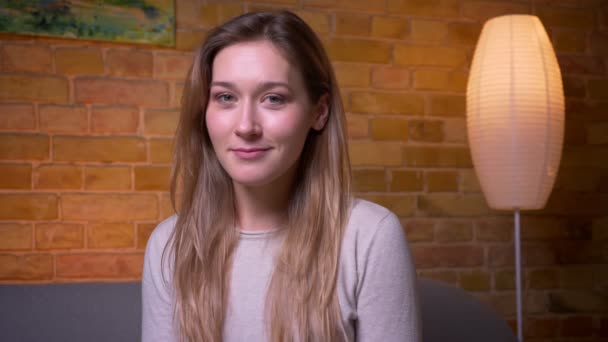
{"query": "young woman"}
{"type": "Point", "coordinates": [267, 244]}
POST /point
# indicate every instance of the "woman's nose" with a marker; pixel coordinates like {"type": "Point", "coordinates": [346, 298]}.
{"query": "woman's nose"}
{"type": "Point", "coordinates": [248, 125]}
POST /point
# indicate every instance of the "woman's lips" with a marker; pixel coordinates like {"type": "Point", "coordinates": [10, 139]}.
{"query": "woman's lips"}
{"type": "Point", "coordinates": [250, 153]}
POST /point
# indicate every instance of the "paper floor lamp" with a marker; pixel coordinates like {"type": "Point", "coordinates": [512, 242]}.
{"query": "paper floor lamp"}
{"type": "Point", "coordinates": [515, 119]}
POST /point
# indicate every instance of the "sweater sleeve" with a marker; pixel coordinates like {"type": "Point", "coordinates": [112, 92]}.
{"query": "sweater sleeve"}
{"type": "Point", "coordinates": [157, 307]}
{"type": "Point", "coordinates": [387, 302]}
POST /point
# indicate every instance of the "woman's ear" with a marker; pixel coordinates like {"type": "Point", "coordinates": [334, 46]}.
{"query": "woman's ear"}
{"type": "Point", "coordinates": [321, 113]}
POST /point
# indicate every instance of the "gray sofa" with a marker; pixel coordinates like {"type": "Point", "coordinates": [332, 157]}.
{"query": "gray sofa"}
{"type": "Point", "coordinates": [100, 312]}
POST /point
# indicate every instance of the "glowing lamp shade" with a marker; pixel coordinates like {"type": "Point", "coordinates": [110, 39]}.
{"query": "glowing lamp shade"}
{"type": "Point", "coordinates": [515, 113]}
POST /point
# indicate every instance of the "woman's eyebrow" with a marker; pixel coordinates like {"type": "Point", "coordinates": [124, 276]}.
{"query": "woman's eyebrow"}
{"type": "Point", "coordinates": [259, 87]}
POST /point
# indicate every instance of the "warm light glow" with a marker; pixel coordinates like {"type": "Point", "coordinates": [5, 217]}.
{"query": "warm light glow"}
{"type": "Point", "coordinates": [515, 113]}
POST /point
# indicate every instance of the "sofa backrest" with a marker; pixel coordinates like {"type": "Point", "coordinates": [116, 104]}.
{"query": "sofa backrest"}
{"type": "Point", "coordinates": [101, 312]}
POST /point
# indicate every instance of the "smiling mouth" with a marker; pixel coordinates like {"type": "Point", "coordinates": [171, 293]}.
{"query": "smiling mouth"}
{"type": "Point", "coordinates": [251, 152]}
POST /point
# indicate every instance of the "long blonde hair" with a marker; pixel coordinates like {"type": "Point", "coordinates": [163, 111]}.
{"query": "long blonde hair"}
{"type": "Point", "coordinates": [301, 303]}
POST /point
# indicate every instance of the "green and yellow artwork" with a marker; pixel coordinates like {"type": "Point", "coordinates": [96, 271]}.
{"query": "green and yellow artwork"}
{"type": "Point", "coordinates": [138, 21]}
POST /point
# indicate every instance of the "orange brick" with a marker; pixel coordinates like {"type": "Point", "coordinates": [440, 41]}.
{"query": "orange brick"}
{"type": "Point", "coordinates": [475, 280]}
{"type": "Point", "coordinates": [26, 267]}
{"type": "Point", "coordinates": [344, 97]}
{"type": "Point", "coordinates": [463, 33]}
{"type": "Point", "coordinates": [452, 205]}
{"type": "Point", "coordinates": [574, 87]}
{"type": "Point", "coordinates": [187, 13]}
{"type": "Point", "coordinates": [566, 17]}
{"type": "Point", "coordinates": [109, 208]}
{"type": "Point", "coordinates": [438, 181]}
{"type": "Point", "coordinates": [21, 57]}
{"type": "Point", "coordinates": [357, 50]}
{"type": "Point", "coordinates": [55, 118]}
{"type": "Point", "coordinates": [504, 280]}
{"type": "Point", "coordinates": [359, 5]}
{"type": "Point", "coordinates": [166, 207]}
{"type": "Point", "coordinates": [387, 103]}
{"type": "Point", "coordinates": [352, 24]}
{"type": "Point", "coordinates": [570, 41]}
{"type": "Point", "coordinates": [433, 56]}
{"type": "Point", "coordinates": [178, 93]}
{"type": "Point", "coordinates": [352, 75]}
{"type": "Point", "coordinates": [401, 205]}
{"type": "Point", "coordinates": [389, 129]}
{"type": "Point", "coordinates": [577, 326]}
{"type": "Point", "coordinates": [189, 39]}
{"type": "Point", "coordinates": [578, 179]}
{"type": "Point", "coordinates": [425, 130]}
{"type": "Point", "coordinates": [161, 122]}
{"type": "Point", "coordinates": [16, 176]}
{"type": "Point", "coordinates": [390, 78]}
{"type": "Point", "coordinates": [129, 63]}
{"type": "Point", "coordinates": [79, 61]}
{"type": "Point", "coordinates": [58, 177]}
{"type": "Point", "coordinates": [24, 146]}
{"type": "Point", "coordinates": [99, 265]}
{"type": "Point", "coordinates": [434, 79]}
{"type": "Point", "coordinates": [102, 149]}
{"type": "Point", "coordinates": [455, 130]}
{"type": "Point", "coordinates": [172, 66]}
{"type": "Point", "coordinates": [599, 41]}
{"type": "Point", "coordinates": [580, 64]}
{"type": "Point", "coordinates": [357, 126]}
{"type": "Point", "coordinates": [598, 89]}
{"type": "Point", "coordinates": [536, 254]}
{"type": "Point", "coordinates": [114, 91]}
{"type": "Point", "coordinates": [143, 234]}
{"type": "Point", "coordinates": [542, 279]}
{"type": "Point", "coordinates": [494, 229]}
{"type": "Point", "coordinates": [418, 230]}
{"type": "Point", "coordinates": [28, 206]}
{"type": "Point", "coordinates": [114, 119]}
{"type": "Point", "coordinates": [406, 180]}
{"type": "Point", "coordinates": [368, 180]}
{"type": "Point", "coordinates": [454, 231]}
{"type": "Point", "coordinates": [448, 105]}
{"type": "Point", "coordinates": [375, 154]}
{"type": "Point", "coordinates": [541, 327]}
{"type": "Point", "coordinates": [447, 256]}
{"type": "Point", "coordinates": [427, 8]}
{"type": "Point", "coordinates": [576, 277]}
{"type": "Point", "coordinates": [318, 21]}
{"type": "Point", "coordinates": [470, 183]}
{"type": "Point", "coordinates": [15, 236]}
{"type": "Point", "coordinates": [161, 151]}
{"type": "Point", "coordinates": [448, 277]}
{"type": "Point", "coordinates": [483, 10]}
{"type": "Point", "coordinates": [387, 27]}
{"type": "Point", "coordinates": [34, 88]}
{"type": "Point", "coordinates": [152, 178]}
{"type": "Point", "coordinates": [108, 178]}
{"type": "Point", "coordinates": [213, 14]}
{"type": "Point", "coordinates": [15, 117]}
{"type": "Point", "coordinates": [110, 235]}
{"type": "Point", "coordinates": [437, 156]}
{"type": "Point", "coordinates": [59, 236]}
{"type": "Point", "coordinates": [428, 31]}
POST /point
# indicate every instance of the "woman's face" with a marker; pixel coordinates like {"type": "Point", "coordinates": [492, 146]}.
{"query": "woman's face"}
{"type": "Point", "coordinates": [259, 114]}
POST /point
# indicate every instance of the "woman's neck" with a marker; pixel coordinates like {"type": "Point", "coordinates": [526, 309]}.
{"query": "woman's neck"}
{"type": "Point", "coordinates": [262, 207]}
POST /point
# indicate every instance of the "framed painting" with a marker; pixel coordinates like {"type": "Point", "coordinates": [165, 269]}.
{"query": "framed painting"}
{"type": "Point", "coordinates": [135, 21]}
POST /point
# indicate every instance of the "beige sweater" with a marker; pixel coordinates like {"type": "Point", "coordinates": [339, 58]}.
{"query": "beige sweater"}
{"type": "Point", "coordinates": [376, 282]}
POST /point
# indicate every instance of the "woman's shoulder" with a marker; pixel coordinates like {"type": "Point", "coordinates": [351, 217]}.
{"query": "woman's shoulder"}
{"type": "Point", "coordinates": [367, 219]}
{"type": "Point", "coordinates": [160, 235]}
{"type": "Point", "coordinates": [365, 214]}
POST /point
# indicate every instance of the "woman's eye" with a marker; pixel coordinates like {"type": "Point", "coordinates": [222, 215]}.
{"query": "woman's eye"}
{"type": "Point", "coordinates": [275, 99]}
{"type": "Point", "coordinates": [225, 98]}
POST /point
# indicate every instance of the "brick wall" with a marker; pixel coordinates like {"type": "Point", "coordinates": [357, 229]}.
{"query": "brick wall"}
{"type": "Point", "coordinates": [86, 131]}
